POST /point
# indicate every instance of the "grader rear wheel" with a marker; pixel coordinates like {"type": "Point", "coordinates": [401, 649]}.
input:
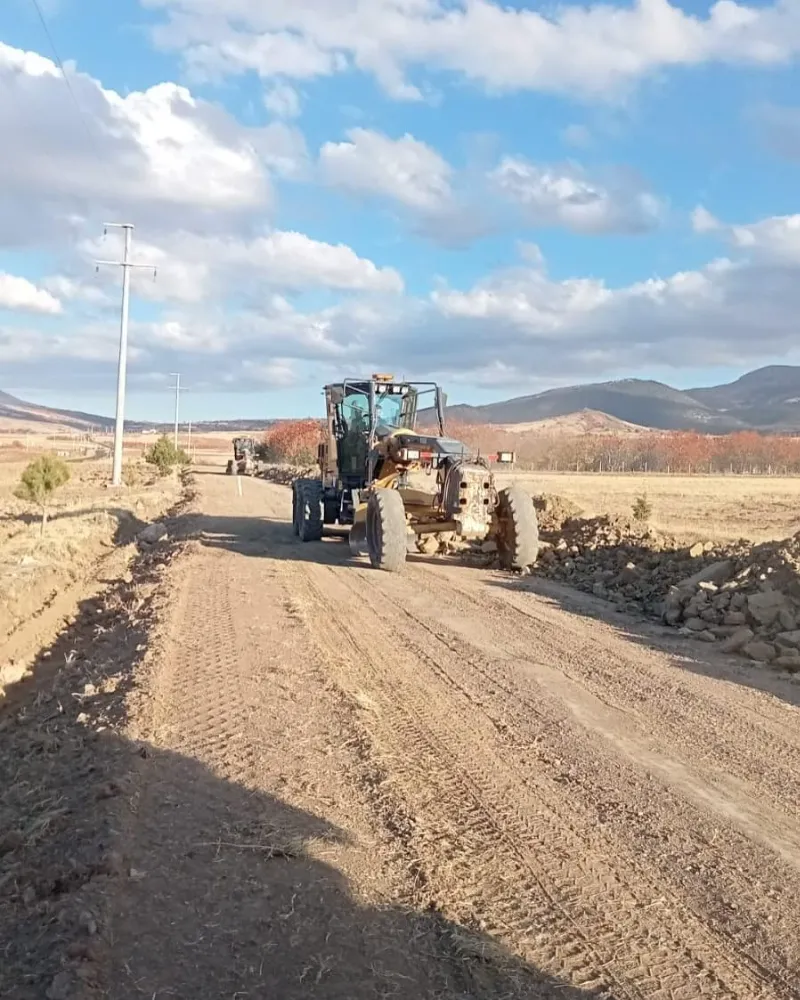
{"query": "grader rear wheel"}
{"type": "Point", "coordinates": [309, 521]}
{"type": "Point", "coordinates": [386, 530]}
{"type": "Point", "coordinates": [518, 529]}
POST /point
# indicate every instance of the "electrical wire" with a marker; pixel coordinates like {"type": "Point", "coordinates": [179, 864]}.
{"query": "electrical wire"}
{"type": "Point", "coordinates": [60, 64]}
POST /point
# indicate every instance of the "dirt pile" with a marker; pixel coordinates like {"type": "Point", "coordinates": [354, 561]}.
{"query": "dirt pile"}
{"type": "Point", "coordinates": [745, 597]}
{"type": "Point", "coordinates": [554, 511]}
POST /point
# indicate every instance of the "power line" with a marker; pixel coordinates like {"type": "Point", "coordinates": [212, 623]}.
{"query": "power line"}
{"type": "Point", "coordinates": [60, 64]}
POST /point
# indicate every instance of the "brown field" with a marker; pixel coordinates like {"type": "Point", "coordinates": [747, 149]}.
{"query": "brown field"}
{"type": "Point", "coordinates": [723, 508]}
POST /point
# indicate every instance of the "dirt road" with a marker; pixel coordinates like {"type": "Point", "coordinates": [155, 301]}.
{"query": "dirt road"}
{"type": "Point", "coordinates": [451, 783]}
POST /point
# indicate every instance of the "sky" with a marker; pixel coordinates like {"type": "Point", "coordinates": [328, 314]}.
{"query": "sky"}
{"type": "Point", "coordinates": [503, 197]}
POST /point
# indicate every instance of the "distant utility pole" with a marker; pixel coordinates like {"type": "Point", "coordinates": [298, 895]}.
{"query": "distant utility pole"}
{"type": "Point", "coordinates": [177, 388]}
{"type": "Point", "coordinates": [122, 366]}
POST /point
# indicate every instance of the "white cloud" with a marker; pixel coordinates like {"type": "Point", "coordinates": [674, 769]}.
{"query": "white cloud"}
{"type": "Point", "coordinates": [160, 156]}
{"type": "Point", "coordinates": [404, 169]}
{"type": "Point", "coordinates": [21, 294]}
{"type": "Point", "coordinates": [703, 221]}
{"type": "Point", "coordinates": [412, 176]}
{"type": "Point", "coordinates": [775, 240]}
{"type": "Point", "coordinates": [565, 196]}
{"type": "Point", "coordinates": [594, 51]}
{"type": "Point", "coordinates": [193, 268]}
{"type": "Point", "coordinates": [517, 326]}
{"type": "Point", "coordinates": [282, 100]}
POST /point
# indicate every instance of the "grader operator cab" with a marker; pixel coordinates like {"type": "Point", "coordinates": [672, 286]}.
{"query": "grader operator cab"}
{"type": "Point", "coordinates": [396, 486]}
{"type": "Point", "coordinates": [243, 462]}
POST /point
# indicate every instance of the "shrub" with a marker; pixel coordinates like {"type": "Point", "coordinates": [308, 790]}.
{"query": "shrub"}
{"type": "Point", "coordinates": [39, 482]}
{"type": "Point", "coordinates": [642, 508]}
{"type": "Point", "coordinates": [293, 441]}
{"type": "Point", "coordinates": [132, 473]}
{"type": "Point", "coordinates": [165, 456]}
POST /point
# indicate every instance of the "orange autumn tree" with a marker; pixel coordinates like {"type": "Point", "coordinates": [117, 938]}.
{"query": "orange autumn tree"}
{"type": "Point", "coordinates": [293, 441]}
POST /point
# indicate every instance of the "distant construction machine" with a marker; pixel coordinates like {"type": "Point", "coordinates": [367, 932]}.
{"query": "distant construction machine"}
{"type": "Point", "coordinates": [243, 462]}
{"type": "Point", "coordinates": [396, 486]}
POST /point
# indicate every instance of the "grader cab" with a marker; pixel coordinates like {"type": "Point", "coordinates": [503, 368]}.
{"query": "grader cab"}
{"type": "Point", "coordinates": [397, 486]}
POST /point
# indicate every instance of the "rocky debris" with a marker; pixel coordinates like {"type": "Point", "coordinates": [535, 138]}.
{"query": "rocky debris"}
{"type": "Point", "coordinates": [285, 475]}
{"type": "Point", "coordinates": [152, 533]}
{"type": "Point", "coordinates": [744, 597]}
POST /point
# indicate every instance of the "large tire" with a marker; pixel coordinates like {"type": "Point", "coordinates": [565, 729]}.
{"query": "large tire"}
{"type": "Point", "coordinates": [229, 468]}
{"type": "Point", "coordinates": [309, 516]}
{"type": "Point", "coordinates": [295, 507]}
{"type": "Point", "coordinates": [386, 530]}
{"type": "Point", "coordinates": [518, 533]}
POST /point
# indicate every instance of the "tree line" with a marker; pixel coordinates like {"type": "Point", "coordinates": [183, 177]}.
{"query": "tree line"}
{"type": "Point", "coordinates": [685, 452]}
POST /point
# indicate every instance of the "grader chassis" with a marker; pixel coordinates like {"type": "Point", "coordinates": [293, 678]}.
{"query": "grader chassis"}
{"type": "Point", "coordinates": [394, 486]}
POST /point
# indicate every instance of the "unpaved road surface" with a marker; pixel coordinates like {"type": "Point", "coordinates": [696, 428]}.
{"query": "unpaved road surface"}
{"type": "Point", "coordinates": [451, 783]}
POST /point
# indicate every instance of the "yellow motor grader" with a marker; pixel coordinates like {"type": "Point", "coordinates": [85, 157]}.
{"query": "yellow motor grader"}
{"type": "Point", "coordinates": [396, 486]}
{"type": "Point", "coordinates": [243, 462]}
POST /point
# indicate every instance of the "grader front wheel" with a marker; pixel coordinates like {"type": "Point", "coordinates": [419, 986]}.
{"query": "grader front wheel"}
{"type": "Point", "coordinates": [518, 529]}
{"type": "Point", "coordinates": [386, 530]}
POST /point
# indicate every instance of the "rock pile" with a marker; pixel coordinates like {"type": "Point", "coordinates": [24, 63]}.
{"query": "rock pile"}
{"type": "Point", "coordinates": [285, 475]}
{"type": "Point", "coordinates": [744, 597]}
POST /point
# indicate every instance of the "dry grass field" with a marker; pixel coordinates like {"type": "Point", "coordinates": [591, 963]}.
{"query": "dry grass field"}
{"type": "Point", "coordinates": [723, 508]}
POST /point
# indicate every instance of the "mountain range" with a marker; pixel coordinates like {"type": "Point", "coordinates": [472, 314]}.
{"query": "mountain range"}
{"type": "Point", "coordinates": [767, 399]}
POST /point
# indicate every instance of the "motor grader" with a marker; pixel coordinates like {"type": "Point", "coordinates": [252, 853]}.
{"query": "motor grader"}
{"type": "Point", "coordinates": [397, 486]}
{"type": "Point", "coordinates": [243, 462]}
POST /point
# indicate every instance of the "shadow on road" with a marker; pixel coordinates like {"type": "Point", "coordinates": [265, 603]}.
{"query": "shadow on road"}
{"type": "Point", "coordinates": [127, 871]}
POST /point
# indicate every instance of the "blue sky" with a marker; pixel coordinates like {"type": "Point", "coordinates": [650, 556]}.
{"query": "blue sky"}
{"type": "Point", "coordinates": [459, 190]}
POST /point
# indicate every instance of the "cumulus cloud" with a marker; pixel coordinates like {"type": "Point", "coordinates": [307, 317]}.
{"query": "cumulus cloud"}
{"type": "Point", "coordinates": [516, 327]}
{"type": "Point", "coordinates": [161, 155]}
{"type": "Point", "coordinates": [409, 174]}
{"type": "Point", "coordinates": [21, 294]}
{"type": "Point", "coordinates": [595, 50]}
{"type": "Point", "coordinates": [194, 268]}
{"type": "Point", "coordinates": [565, 196]}
{"type": "Point", "coordinates": [404, 169]}
{"type": "Point", "coordinates": [775, 240]}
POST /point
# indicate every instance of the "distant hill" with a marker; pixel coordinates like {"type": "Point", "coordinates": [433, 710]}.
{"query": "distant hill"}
{"type": "Point", "coordinates": [583, 422]}
{"type": "Point", "coordinates": [767, 399]}
{"type": "Point", "coordinates": [17, 413]}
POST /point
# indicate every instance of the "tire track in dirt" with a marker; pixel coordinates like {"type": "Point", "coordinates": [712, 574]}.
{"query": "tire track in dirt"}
{"type": "Point", "coordinates": [246, 739]}
{"type": "Point", "coordinates": [705, 858]}
{"type": "Point", "coordinates": [551, 899]}
{"type": "Point", "coordinates": [727, 742]}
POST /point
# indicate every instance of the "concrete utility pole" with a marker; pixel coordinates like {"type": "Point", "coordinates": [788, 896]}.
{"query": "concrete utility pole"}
{"type": "Point", "coordinates": [177, 388]}
{"type": "Point", "coordinates": [122, 366]}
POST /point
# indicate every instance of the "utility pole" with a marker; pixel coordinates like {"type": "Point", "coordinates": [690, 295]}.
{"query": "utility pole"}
{"type": "Point", "coordinates": [122, 365]}
{"type": "Point", "coordinates": [177, 388]}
